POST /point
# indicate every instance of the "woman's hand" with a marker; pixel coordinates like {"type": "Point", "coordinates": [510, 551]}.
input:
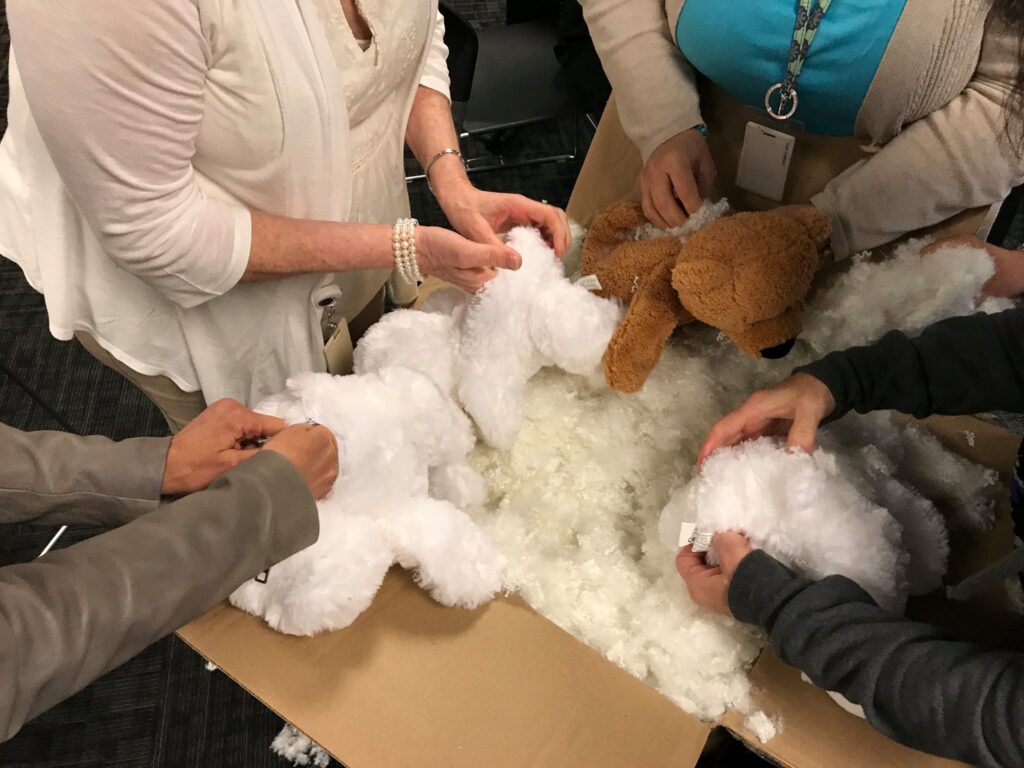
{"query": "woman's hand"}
{"type": "Point", "coordinates": [679, 171]}
{"type": "Point", "coordinates": [709, 587]}
{"type": "Point", "coordinates": [1008, 280]}
{"type": "Point", "coordinates": [212, 443]}
{"type": "Point", "coordinates": [482, 216]}
{"type": "Point", "coordinates": [795, 407]}
{"type": "Point", "coordinates": [463, 263]}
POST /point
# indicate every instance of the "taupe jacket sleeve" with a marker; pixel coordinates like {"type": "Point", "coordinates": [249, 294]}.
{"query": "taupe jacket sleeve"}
{"type": "Point", "coordinates": [77, 613]}
{"type": "Point", "coordinates": [957, 158]}
{"type": "Point", "coordinates": [56, 478]}
{"type": "Point", "coordinates": [640, 57]}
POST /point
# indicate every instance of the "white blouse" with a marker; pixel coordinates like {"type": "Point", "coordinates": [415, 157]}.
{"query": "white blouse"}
{"type": "Point", "coordinates": [132, 159]}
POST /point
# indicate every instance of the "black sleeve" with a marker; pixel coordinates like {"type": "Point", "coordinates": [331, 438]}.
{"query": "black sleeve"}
{"type": "Point", "coordinates": [957, 366]}
{"type": "Point", "coordinates": [917, 684]}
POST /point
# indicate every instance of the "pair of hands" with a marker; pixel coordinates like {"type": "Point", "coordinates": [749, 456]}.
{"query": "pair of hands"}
{"type": "Point", "coordinates": [792, 409]}
{"type": "Point", "coordinates": [470, 257]}
{"type": "Point", "coordinates": [222, 436]}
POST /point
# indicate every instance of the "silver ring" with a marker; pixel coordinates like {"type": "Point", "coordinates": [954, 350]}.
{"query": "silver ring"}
{"type": "Point", "coordinates": [793, 98]}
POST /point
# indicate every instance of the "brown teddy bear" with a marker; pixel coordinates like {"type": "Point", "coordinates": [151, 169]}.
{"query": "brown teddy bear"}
{"type": "Point", "coordinates": [746, 274]}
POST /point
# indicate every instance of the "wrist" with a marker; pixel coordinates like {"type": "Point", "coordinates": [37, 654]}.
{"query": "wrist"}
{"type": "Point", "coordinates": [447, 177]}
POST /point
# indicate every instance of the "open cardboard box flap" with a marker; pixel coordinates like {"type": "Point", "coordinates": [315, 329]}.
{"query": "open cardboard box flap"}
{"type": "Point", "coordinates": [411, 683]}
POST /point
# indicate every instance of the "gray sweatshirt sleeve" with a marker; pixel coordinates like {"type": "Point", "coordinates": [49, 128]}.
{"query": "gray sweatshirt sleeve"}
{"type": "Point", "coordinates": [917, 684]}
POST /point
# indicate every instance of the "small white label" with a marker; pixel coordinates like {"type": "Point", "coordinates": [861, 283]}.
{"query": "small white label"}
{"type": "Point", "coordinates": [764, 161]}
{"type": "Point", "coordinates": [686, 531]}
{"type": "Point", "coordinates": [590, 282]}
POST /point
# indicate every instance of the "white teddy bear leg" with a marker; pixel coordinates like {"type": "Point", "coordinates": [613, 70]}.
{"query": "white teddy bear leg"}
{"type": "Point", "coordinates": [454, 559]}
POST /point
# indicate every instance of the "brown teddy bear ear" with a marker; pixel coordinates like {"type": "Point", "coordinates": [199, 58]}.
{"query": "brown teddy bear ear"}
{"type": "Point", "coordinates": [699, 275]}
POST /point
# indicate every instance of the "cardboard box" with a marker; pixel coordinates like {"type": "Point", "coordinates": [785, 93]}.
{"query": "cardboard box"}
{"type": "Point", "coordinates": [413, 684]}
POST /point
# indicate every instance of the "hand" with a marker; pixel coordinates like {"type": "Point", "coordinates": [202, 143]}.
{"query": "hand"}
{"type": "Point", "coordinates": [1008, 280]}
{"type": "Point", "coordinates": [213, 443]}
{"type": "Point", "coordinates": [482, 216]}
{"type": "Point", "coordinates": [794, 407]}
{"type": "Point", "coordinates": [680, 170]}
{"type": "Point", "coordinates": [461, 262]}
{"type": "Point", "coordinates": [709, 587]}
{"type": "Point", "coordinates": [314, 452]}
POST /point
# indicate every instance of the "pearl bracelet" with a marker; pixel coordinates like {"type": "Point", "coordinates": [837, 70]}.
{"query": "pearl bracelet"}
{"type": "Point", "coordinates": [403, 242]}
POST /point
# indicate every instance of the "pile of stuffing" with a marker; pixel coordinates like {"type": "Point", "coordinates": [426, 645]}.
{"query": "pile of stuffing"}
{"type": "Point", "coordinates": [563, 496]}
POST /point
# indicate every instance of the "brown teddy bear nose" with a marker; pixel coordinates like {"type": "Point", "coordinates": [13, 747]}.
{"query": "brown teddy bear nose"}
{"type": "Point", "coordinates": [779, 352]}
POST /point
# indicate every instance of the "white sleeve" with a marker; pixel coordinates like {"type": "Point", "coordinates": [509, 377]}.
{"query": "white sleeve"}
{"type": "Point", "coordinates": [116, 91]}
{"type": "Point", "coordinates": [655, 87]}
{"type": "Point", "coordinates": [435, 73]}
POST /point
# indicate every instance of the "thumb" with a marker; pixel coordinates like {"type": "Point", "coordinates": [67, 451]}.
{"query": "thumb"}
{"type": "Point", "coordinates": [503, 257]}
{"type": "Point", "coordinates": [803, 432]}
{"type": "Point", "coordinates": [730, 548]}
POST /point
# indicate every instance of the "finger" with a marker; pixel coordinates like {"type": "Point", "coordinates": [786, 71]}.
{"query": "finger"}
{"type": "Point", "coordinates": [707, 178]}
{"type": "Point", "coordinates": [730, 548]}
{"type": "Point", "coordinates": [480, 231]}
{"type": "Point", "coordinates": [567, 236]}
{"type": "Point", "coordinates": [684, 186]}
{"type": "Point", "coordinates": [500, 257]}
{"type": "Point", "coordinates": [731, 430]}
{"type": "Point", "coordinates": [664, 199]}
{"type": "Point", "coordinates": [651, 212]}
{"type": "Point", "coordinates": [235, 457]}
{"type": "Point", "coordinates": [260, 425]}
{"type": "Point", "coordinates": [689, 563]}
{"type": "Point", "coordinates": [803, 432]}
{"type": "Point", "coordinates": [555, 225]}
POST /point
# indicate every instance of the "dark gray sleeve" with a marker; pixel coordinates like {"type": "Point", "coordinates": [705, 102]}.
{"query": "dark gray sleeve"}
{"type": "Point", "coordinates": [55, 478]}
{"type": "Point", "coordinates": [77, 613]}
{"type": "Point", "coordinates": [957, 366]}
{"type": "Point", "coordinates": [916, 683]}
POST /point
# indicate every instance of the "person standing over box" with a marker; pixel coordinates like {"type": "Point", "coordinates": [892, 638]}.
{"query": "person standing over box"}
{"type": "Point", "coordinates": [75, 614]}
{"type": "Point", "coordinates": [206, 190]}
{"type": "Point", "coordinates": [917, 683]}
{"type": "Point", "coordinates": [889, 114]}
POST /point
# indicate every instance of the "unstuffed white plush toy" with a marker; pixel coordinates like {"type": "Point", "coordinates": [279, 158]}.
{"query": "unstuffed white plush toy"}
{"type": "Point", "coordinates": [483, 349]}
{"type": "Point", "coordinates": [402, 447]}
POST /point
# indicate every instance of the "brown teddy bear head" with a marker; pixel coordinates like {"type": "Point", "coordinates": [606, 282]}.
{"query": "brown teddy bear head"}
{"type": "Point", "coordinates": [748, 275]}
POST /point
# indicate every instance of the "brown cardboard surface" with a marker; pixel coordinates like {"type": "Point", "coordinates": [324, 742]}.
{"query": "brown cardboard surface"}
{"type": "Point", "coordinates": [816, 732]}
{"type": "Point", "coordinates": [414, 684]}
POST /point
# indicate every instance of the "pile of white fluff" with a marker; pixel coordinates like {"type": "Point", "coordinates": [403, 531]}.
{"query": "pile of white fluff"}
{"type": "Point", "coordinates": [575, 476]}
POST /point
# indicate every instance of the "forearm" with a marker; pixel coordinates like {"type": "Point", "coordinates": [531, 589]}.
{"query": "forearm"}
{"type": "Point", "coordinates": [916, 684]}
{"type": "Point", "coordinates": [958, 366]}
{"type": "Point", "coordinates": [54, 478]}
{"type": "Point", "coordinates": [78, 613]}
{"type": "Point", "coordinates": [430, 131]}
{"type": "Point", "coordinates": [283, 246]}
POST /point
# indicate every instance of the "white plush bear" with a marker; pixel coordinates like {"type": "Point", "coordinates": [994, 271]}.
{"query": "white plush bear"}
{"type": "Point", "coordinates": [483, 349]}
{"type": "Point", "coordinates": [402, 446]}
{"type": "Point", "coordinates": [850, 508]}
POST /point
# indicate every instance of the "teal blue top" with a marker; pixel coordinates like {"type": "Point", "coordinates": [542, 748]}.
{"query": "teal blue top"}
{"type": "Point", "coordinates": [743, 45]}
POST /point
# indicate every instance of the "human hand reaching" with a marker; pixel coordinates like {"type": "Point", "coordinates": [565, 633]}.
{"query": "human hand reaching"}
{"type": "Point", "coordinates": [314, 452]}
{"type": "Point", "coordinates": [794, 408]}
{"type": "Point", "coordinates": [676, 180]}
{"type": "Point", "coordinates": [457, 260]}
{"type": "Point", "coordinates": [709, 585]}
{"type": "Point", "coordinates": [212, 443]}
{"type": "Point", "coordinates": [482, 216]}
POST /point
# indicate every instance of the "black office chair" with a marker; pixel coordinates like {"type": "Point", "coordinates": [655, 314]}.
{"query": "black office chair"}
{"type": "Point", "coordinates": [506, 77]}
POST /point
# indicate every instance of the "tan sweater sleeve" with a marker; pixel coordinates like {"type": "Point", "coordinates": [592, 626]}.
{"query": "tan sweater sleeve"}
{"type": "Point", "coordinates": [74, 615]}
{"type": "Point", "coordinates": [957, 158]}
{"type": "Point", "coordinates": [640, 57]}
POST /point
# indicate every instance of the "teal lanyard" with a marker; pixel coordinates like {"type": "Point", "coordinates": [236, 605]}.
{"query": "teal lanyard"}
{"type": "Point", "coordinates": [808, 20]}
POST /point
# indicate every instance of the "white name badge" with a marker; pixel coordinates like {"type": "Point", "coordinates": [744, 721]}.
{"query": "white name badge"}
{"type": "Point", "coordinates": [764, 161]}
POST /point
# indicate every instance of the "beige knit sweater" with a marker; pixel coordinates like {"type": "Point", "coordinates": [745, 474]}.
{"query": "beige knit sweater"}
{"type": "Point", "coordinates": [935, 107]}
